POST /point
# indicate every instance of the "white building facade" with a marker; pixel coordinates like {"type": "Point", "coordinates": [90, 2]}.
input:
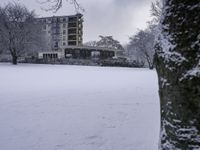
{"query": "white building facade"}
{"type": "Point", "coordinates": [63, 31]}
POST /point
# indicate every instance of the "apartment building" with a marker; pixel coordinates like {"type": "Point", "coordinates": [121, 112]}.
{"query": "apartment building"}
{"type": "Point", "coordinates": [63, 31]}
{"type": "Point", "coordinates": [64, 35]}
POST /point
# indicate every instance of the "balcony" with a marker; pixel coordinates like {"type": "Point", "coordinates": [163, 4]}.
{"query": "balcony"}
{"type": "Point", "coordinates": [72, 38]}
{"type": "Point", "coordinates": [72, 25]}
{"type": "Point", "coordinates": [72, 19]}
{"type": "Point", "coordinates": [72, 31]}
{"type": "Point", "coordinates": [72, 43]}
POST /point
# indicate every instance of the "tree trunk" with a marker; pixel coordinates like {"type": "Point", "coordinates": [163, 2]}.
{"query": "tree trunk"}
{"type": "Point", "coordinates": [14, 60]}
{"type": "Point", "coordinates": [150, 64]}
{"type": "Point", "coordinates": [177, 62]}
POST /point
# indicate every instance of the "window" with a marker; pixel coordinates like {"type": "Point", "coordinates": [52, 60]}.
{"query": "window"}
{"type": "Point", "coordinates": [64, 25]}
{"type": "Point", "coordinates": [64, 43]}
{"type": "Point", "coordinates": [72, 37]}
{"type": "Point", "coordinates": [64, 19]}
{"type": "Point", "coordinates": [64, 31]}
{"type": "Point", "coordinates": [72, 31]}
{"type": "Point", "coordinates": [56, 44]}
{"type": "Point", "coordinates": [72, 25]}
{"type": "Point", "coordinates": [54, 31]}
{"type": "Point", "coordinates": [54, 24]}
{"type": "Point", "coordinates": [72, 43]}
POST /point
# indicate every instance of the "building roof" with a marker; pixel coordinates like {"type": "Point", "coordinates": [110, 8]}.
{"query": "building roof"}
{"type": "Point", "coordinates": [91, 48]}
{"type": "Point", "coordinates": [78, 14]}
{"type": "Point", "coordinates": [84, 47]}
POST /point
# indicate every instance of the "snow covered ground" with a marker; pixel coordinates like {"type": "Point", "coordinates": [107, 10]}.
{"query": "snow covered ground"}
{"type": "Point", "coordinates": [52, 107]}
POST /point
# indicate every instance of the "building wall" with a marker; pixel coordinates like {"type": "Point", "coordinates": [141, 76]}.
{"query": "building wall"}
{"type": "Point", "coordinates": [63, 31]}
{"type": "Point", "coordinates": [50, 55]}
{"type": "Point", "coordinates": [87, 53]}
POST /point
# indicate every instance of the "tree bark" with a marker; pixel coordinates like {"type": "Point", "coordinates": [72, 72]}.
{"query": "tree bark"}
{"type": "Point", "coordinates": [177, 62]}
{"type": "Point", "coordinates": [14, 60]}
{"type": "Point", "coordinates": [150, 64]}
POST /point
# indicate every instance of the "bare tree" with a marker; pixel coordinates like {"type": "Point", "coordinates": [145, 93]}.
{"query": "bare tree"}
{"type": "Point", "coordinates": [106, 42]}
{"type": "Point", "coordinates": [91, 43]}
{"type": "Point", "coordinates": [109, 42]}
{"type": "Point", "coordinates": [19, 30]}
{"type": "Point", "coordinates": [141, 46]}
{"type": "Point", "coordinates": [55, 5]}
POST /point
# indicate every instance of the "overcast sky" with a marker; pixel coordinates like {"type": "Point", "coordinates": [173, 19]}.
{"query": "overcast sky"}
{"type": "Point", "coordinates": [119, 18]}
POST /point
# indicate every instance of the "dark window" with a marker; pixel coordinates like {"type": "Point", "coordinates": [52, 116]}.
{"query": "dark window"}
{"type": "Point", "coordinates": [72, 37]}
{"type": "Point", "coordinates": [72, 25]}
{"type": "Point", "coordinates": [72, 31]}
{"type": "Point", "coordinates": [72, 19]}
{"type": "Point", "coordinates": [56, 44]}
{"type": "Point", "coordinates": [72, 43]}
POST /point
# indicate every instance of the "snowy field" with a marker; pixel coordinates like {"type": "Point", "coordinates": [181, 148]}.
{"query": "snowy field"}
{"type": "Point", "coordinates": [52, 107]}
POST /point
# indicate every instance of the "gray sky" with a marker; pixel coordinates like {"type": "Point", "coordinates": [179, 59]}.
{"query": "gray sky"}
{"type": "Point", "coordinates": [119, 18]}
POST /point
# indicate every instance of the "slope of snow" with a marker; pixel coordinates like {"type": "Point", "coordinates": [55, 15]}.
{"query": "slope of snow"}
{"type": "Point", "coordinates": [52, 107]}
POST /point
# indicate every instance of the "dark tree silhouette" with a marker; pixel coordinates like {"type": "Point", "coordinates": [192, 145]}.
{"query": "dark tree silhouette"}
{"type": "Point", "coordinates": [178, 66]}
{"type": "Point", "coordinates": [19, 31]}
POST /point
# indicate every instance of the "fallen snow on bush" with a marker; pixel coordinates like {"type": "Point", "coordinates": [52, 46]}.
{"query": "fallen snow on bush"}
{"type": "Point", "coordinates": [52, 107]}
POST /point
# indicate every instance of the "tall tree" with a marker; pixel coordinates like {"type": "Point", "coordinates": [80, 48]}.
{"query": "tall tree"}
{"type": "Point", "coordinates": [178, 66]}
{"type": "Point", "coordinates": [19, 30]}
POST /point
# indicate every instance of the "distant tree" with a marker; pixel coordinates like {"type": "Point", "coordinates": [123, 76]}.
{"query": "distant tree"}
{"type": "Point", "coordinates": [91, 43]}
{"type": "Point", "coordinates": [109, 42]}
{"type": "Point", "coordinates": [19, 31]}
{"type": "Point", "coordinates": [141, 46]}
